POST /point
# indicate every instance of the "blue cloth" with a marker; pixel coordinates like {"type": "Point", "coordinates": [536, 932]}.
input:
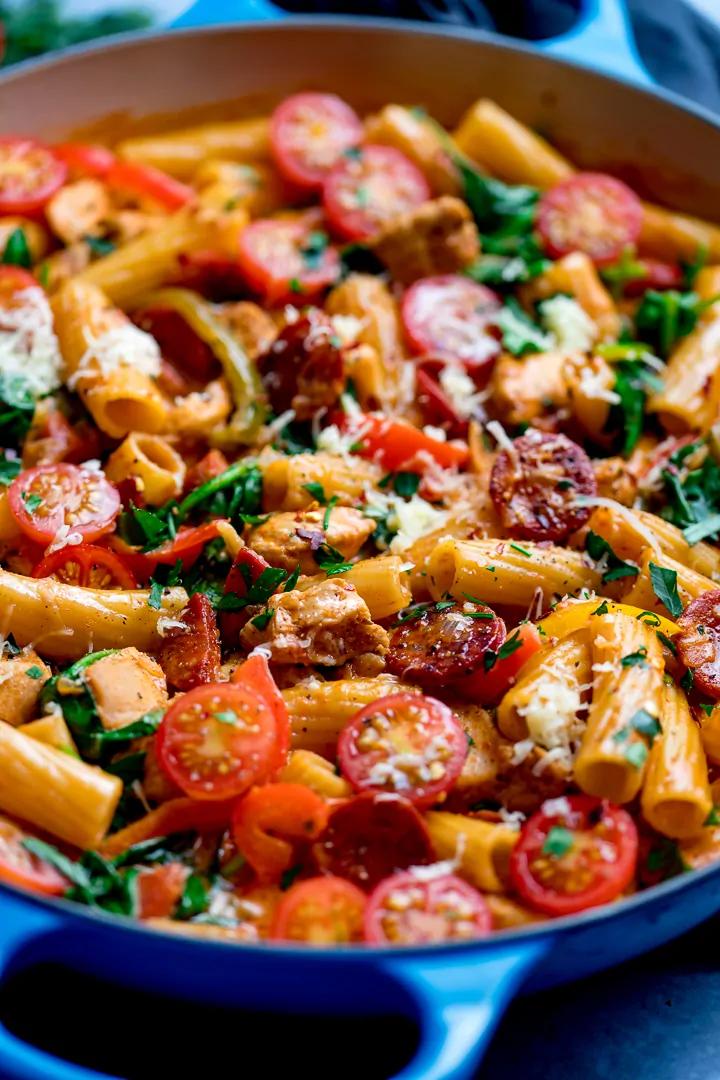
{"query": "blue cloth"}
{"type": "Point", "coordinates": [680, 47]}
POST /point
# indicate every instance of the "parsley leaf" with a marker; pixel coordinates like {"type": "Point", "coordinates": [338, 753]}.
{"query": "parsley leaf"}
{"type": "Point", "coordinates": [259, 592]}
{"type": "Point", "coordinates": [598, 548]}
{"type": "Point", "coordinates": [520, 335]}
{"type": "Point", "coordinates": [261, 621]}
{"type": "Point", "coordinates": [34, 672]}
{"type": "Point", "coordinates": [687, 680]}
{"type": "Point", "coordinates": [316, 491]}
{"type": "Point", "coordinates": [406, 483]}
{"type": "Point", "coordinates": [313, 250]}
{"type": "Point", "coordinates": [664, 317]}
{"type": "Point", "coordinates": [9, 469]}
{"type": "Point", "coordinates": [635, 659]}
{"type": "Point", "coordinates": [331, 560]}
{"type": "Point", "coordinates": [292, 581]}
{"type": "Point", "coordinates": [713, 818]}
{"type": "Point", "coordinates": [164, 577]}
{"type": "Point", "coordinates": [637, 754]}
{"type": "Point", "coordinates": [633, 380]}
{"type": "Point", "coordinates": [17, 252]}
{"type": "Point", "coordinates": [32, 502]}
{"type": "Point", "coordinates": [99, 246]}
{"type": "Point", "coordinates": [694, 533]}
{"type": "Point", "coordinates": [288, 876]}
{"type": "Point", "coordinates": [646, 724]}
{"type": "Point", "coordinates": [509, 646]}
{"type": "Point", "coordinates": [17, 408]}
{"type": "Point", "coordinates": [328, 512]}
{"type": "Point", "coordinates": [664, 583]}
{"type": "Point", "coordinates": [558, 842]}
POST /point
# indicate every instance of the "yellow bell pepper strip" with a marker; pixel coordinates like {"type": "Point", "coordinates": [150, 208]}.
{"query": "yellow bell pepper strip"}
{"type": "Point", "coordinates": [238, 368]}
{"type": "Point", "coordinates": [570, 615]}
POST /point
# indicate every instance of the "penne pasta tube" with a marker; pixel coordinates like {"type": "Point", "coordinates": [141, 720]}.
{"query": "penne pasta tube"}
{"type": "Point", "coordinates": [64, 622]}
{"type": "Point", "coordinates": [677, 237]}
{"type": "Point", "coordinates": [501, 572]}
{"type": "Point", "coordinates": [507, 913]}
{"type": "Point", "coordinates": [418, 140]}
{"type": "Point", "coordinates": [317, 773]}
{"type": "Point", "coordinates": [286, 480]}
{"type": "Point", "coordinates": [690, 397]}
{"type": "Point", "coordinates": [180, 153]}
{"type": "Point", "coordinates": [576, 275]}
{"type": "Point", "coordinates": [676, 797]}
{"type": "Point", "coordinates": [509, 149]}
{"type": "Point", "coordinates": [710, 733]}
{"type": "Point", "coordinates": [51, 730]}
{"type": "Point", "coordinates": [382, 583]}
{"type": "Point", "coordinates": [552, 688]}
{"type": "Point", "coordinates": [256, 188]}
{"type": "Point", "coordinates": [482, 849]}
{"type": "Point", "coordinates": [701, 851]}
{"type": "Point", "coordinates": [368, 299]}
{"type": "Point", "coordinates": [690, 584]}
{"type": "Point", "coordinates": [151, 260]}
{"type": "Point", "coordinates": [149, 459]}
{"type": "Point", "coordinates": [9, 528]}
{"type": "Point", "coordinates": [55, 791]}
{"type": "Point", "coordinates": [626, 704]}
{"type": "Point", "coordinates": [319, 711]}
{"type": "Point", "coordinates": [591, 389]}
{"type": "Point", "coordinates": [629, 543]}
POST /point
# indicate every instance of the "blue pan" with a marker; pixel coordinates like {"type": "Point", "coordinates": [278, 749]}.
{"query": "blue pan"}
{"type": "Point", "coordinates": [671, 151]}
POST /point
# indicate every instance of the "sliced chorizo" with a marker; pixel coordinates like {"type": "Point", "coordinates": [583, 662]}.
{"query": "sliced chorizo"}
{"type": "Point", "coordinates": [698, 645]}
{"type": "Point", "coordinates": [303, 368]}
{"type": "Point", "coordinates": [190, 655]}
{"type": "Point", "coordinates": [436, 644]}
{"type": "Point", "coordinates": [535, 488]}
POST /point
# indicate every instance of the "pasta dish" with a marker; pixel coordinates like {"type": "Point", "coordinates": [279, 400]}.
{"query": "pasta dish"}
{"type": "Point", "coordinates": [359, 518]}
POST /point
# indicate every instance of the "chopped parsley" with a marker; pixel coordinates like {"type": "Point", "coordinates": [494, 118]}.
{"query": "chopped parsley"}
{"type": "Point", "coordinates": [634, 379]}
{"type": "Point", "coordinates": [615, 568]}
{"type": "Point", "coordinates": [227, 717]}
{"type": "Point", "coordinates": [17, 252]}
{"type": "Point", "coordinates": [636, 754]}
{"type": "Point", "coordinates": [32, 502]}
{"type": "Point", "coordinates": [313, 250]}
{"type": "Point", "coordinates": [258, 591]}
{"type": "Point", "coordinates": [326, 516]}
{"type": "Point", "coordinates": [99, 246]}
{"type": "Point", "coordinates": [558, 842]}
{"type": "Point", "coordinates": [165, 577]}
{"type": "Point", "coordinates": [331, 560]}
{"type": "Point", "coordinates": [664, 583]}
{"type": "Point", "coordinates": [636, 659]}
{"type": "Point", "coordinates": [712, 818]}
{"type": "Point", "coordinates": [522, 551]}
{"type": "Point", "coordinates": [316, 491]}
{"type": "Point", "coordinates": [687, 680]}
{"type": "Point", "coordinates": [35, 672]}
{"type": "Point", "coordinates": [10, 468]}
{"type": "Point", "coordinates": [520, 335]}
{"type": "Point", "coordinates": [17, 408]}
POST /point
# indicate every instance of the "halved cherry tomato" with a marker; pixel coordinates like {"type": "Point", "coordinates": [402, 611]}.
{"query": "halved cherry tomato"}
{"type": "Point", "coordinates": [308, 133]}
{"type": "Point", "coordinates": [698, 644]}
{"type": "Point", "coordinates": [407, 744]}
{"type": "Point", "coordinates": [187, 546]}
{"type": "Point", "coordinates": [245, 570]}
{"type": "Point", "coordinates": [56, 439]}
{"type": "Point", "coordinates": [368, 187]}
{"type": "Point", "coordinates": [452, 316]}
{"type": "Point", "coordinates": [212, 274]}
{"type": "Point", "coordinates": [146, 182]}
{"type": "Point", "coordinates": [266, 819]}
{"type": "Point", "coordinates": [657, 275]}
{"type": "Point", "coordinates": [158, 890]}
{"type": "Point", "coordinates": [370, 837]}
{"type": "Point", "coordinates": [589, 212]}
{"type": "Point", "coordinates": [303, 368]}
{"type": "Point", "coordinates": [29, 174]}
{"type": "Point", "coordinates": [485, 687]}
{"type": "Point", "coordinates": [395, 444]}
{"type": "Point", "coordinates": [254, 673]}
{"type": "Point", "coordinates": [19, 867]}
{"type": "Point", "coordinates": [175, 816]}
{"type": "Point", "coordinates": [410, 909]}
{"type": "Point", "coordinates": [178, 342]}
{"type": "Point", "coordinates": [436, 407]}
{"type": "Point", "coordinates": [191, 656]}
{"type": "Point", "coordinates": [217, 740]}
{"type": "Point", "coordinates": [442, 643]}
{"type": "Point", "coordinates": [206, 469]}
{"type": "Point", "coordinates": [321, 911]}
{"type": "Point", "coordinates": [535, 491]}
{"type": "Point", "coordinates": [48, 497]}
{"type": "Point", "coordinates": [85, 159]}
{"type": "Point", "coordinates": [276, 263]}
{"type": "Point", "coordinates": [14, 280]}
{"type": "Point", "coordinates": [87, 565]}
{"type": "Point", "coordinates": [574, 853]}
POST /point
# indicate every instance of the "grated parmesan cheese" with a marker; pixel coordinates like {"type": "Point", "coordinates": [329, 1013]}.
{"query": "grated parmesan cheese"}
{"type": "Point", "coordinates": [332, 441]}
{"type": "Point", "coordinates": [461, 391]}
{"type": "Point", "coordinates": [437, 433]}
{"type": "Point", "coordinates": [570, 325]}
{"type": "Point", "coordinates": [592, 386]}
{"type": "Point", "coordinates": [348, 328]}
{"type": "Point", "coordinates": [63, 538]}
{"type": "Point", "coordinates": [413, 520]}
{"type": "Point", "coordinates": [123, 346]}
{"type": "Point", "coordinates": [28, 345]}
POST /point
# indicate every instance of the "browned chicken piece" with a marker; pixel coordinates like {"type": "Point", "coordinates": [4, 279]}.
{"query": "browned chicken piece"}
{"type": "Point", "coordinates": [21, 680]}
{"type": "Point", "coordinates": [124, 686]}
{"type": "Point", "coordinates": [291, 538]}
{"type": "Point", "coordinates": [488, 772]}
{"type": "Point", "coordinates": [127, 224]}
{"type": "Point", "coordinates": [247, 322]}
{"type": "Point", "coordinates": [528, 389]}
{"type": "Point", "coordinates": [62, 265]}
{"type": "Point", "coordinates": [326, 624]}
{"type": "Point", "coordinates": [437, 237]}
{"type": "Point", "coordinates": [79, 209]}
{"type": "Point", "coordinates": [615, 480]}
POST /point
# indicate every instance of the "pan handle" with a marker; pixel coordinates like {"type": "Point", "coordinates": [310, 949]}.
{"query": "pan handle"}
{"type": "Point", "coordinates": [602, 39]}
{"type": "Point", "coordinates": [458, 1003]}
{"type": "Point", "coordinates": [207, 12]}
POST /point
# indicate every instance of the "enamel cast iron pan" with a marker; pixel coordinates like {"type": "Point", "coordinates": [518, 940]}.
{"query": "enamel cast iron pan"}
{"type": "Point", "coordinates": [669, 152]}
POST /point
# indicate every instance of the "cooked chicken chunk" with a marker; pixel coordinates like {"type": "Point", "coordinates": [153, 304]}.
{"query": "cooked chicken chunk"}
{"type": "Point", "coordinates": [124, 686]}
{"type": "Point", "coordinates": [291, 538]}
{"type": "Point", "coordinates": [615, 480]}
{"type": "Point", "coordinates": [325, 624]}
{"type": "Point", "coordinates": [438, 237]}
{"type": "Point", "coordinates": [78, 210]}
{"type": "Point", "coordinates": [21, 680]}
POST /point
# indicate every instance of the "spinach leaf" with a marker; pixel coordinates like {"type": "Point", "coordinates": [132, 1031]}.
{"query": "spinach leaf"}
{"type": "Point", "coordinates": [634, 379]}
{"type": "Point", "coordinates": [664, 317]}
{"type": "Point", "coordinates": [520, 335]}
{"type": "Point", "coordinates": [693, 500]}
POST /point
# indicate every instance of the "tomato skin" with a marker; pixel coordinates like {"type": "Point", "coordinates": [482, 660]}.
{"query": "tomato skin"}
{"type": "Point", "coordinates": [232, 622]}
{"type": "Point", "coordinates": [395, 444]}
{"type": "Point", "coordinates": [369, 187]}
{"type": "Point", "coordinates": [85, 159]}
{"type": "Point", "coordinates": [589, 212]}
{"type": "Point", "coordinates": [658, 276]}
{"type": "Point", "coordinates": [177, 815]}
{"type": "Point", "coordinates": [254, 673]}
{"type": "Point", "coordinates": [290, 810]}
{"type": "Point", "coordinates": [191, 657]}
{"type": "Point", "coordinates": [407, 909]}
{"type": "Point", "coordinates": [437, 409]}
{"type": "Point", "coordinates": [372, 745]}
{"type": "Point", "coordinates": [217, 759]}
{"type": "Point", "coordinates": [146, 182]}
{"type": "Point", "coordinates": [213, 464]}
{"type": "Point", "coordinates": [88, 558]}
{"type": "Point", "coordinates": [19, 867]}
{"type": "Point", "coordinates": [486, 687]}
{"type": "Point", "coordinates": [432, 310]}
{"type": "Point", "coordinates": [215, 276]}
{"type": "Point", "coordinates": [698, 644]}
{"type": "Point", "coordinates": [272, 264]}
{"type": "Point", "coordinates": [440, 646]}
{"type": "Point", "coordinates": [525, 488]}
{"type": "Point", "coordinates": [74, 490]}
{"type": "Point", "coordinates": [30, 174]}
{"type": "Point", "coordinates": [608, 876]}
{"type": "Point", "coordinates": [159, 889]}
{"type": "Point", "coordinates": [302, 154]}
{"type": "Point", "coordinates": [321, 911]}
{"type": "Point", "coordinates": [370, 837]}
